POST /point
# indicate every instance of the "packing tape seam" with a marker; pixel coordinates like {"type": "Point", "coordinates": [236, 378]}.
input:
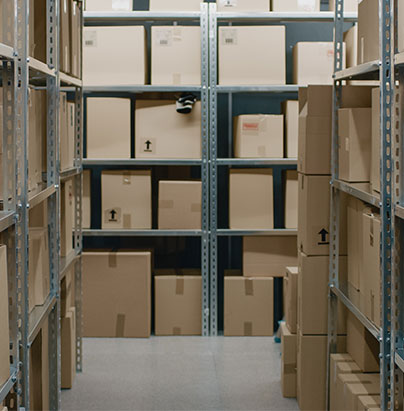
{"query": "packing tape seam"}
{"type": "Point", "coordinates": [112, 260]}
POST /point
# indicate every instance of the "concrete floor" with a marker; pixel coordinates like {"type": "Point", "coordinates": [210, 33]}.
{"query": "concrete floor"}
{"type": "Point", "coordinates": [179, 373]}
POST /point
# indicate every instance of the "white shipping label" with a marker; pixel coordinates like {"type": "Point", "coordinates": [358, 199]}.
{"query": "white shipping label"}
{"type": "Point", "coordinates": [122, 5]}
{"type": "Point", "coordinates": [229, 37]}
{"type": "Point", "coordinates": [90, 38]}
{"type": "Point", "coordinates": [306, 5]}
{"type": "Point", "coordinates": [228, 3]}
{"type": "Point", "coordinates": [164, 37]}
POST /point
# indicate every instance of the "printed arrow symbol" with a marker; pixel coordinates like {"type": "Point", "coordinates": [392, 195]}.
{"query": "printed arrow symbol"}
{"type": "Point", "coordinates": [323, 234]}
{"type": "Point", "coordinates": [148, 144]}
{"type": "Point", "coordinates": [113, 214]}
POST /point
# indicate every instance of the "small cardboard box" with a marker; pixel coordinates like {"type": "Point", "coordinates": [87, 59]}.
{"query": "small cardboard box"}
{"type": "Point", "coordinates": [335, 360]}
{"type": "Point", "coordinates": [268, 256]}
{"type": "Point", "coordinates": [252, 55]}
{"type": "Point", "coordinates": [86, 201]}
{"type": "Point", "coordinates": [117, 294]}
{"type": "Point", "coordinates": [291, 199]}
{"type": "Point", "coordinates": [100, 43]}
{"type": "Point", "coordinates": [4, 320]}
{"type": "Point", "coordinates": [184, 43]}
{"type": "Point", "coordinates": [376, 142]}
{"type": "Point", "coordinates": [258, 136]}
{"type": "Point", "coordinates": [7, 12]}
{"type": "Point", "coordinates": [108, 128]}
{"type": "Point", "coordinates": [368, 31]}
{"type": "Point", "coordinates": [291, 284]}
{"type": "Point", "coordinates": [178, 305]}
{"type": "Point", "coordinates": [180, 205]}
{"type": "Point", "coordinates": [352, 390]}
{"type": "Point", "coordinates": [109, 5]}
{"type": "Point", "coordinates": [242, 5]}
{"type": "Point", "coordinates": [289, 362]}
{"type": "Point", "coordinates": [295, 5]}
{"type": "Point", "coordinates": [68, 348]}
{"type": "Point", "coordinates": [67, 221]}
{"type": "Point", "coordinates": [369, 403]}
{"type": "Point", "coordinates": [290, 109]}
{"type": "Point", "coordinates": [126, 199]}
{"type": "Point", "coordinates": [248, 306]}
{"type": "Point", "coordinates": [251, 199]}
{"type": "Point", "coordinates": [175, 5]}
{"type": "Point", "coordinates": [175, 135]}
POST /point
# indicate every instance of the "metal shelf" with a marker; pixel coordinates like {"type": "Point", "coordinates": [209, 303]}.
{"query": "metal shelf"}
{"type": "Point", "coordinates": [138, 16]}
{"type": "Point", "coordinates": [67, 80]}
{"type": "Point", "coordinates": [142, 233]}
{"type": "Point", "coordinates": [71, 172]}
{"type": "Point", "coordinates": [38, 315]}
{"type": "Point", "coordinates": [65, 263]}
{"type": "Point", "coordinates": [38, 69]}
{"type": "Point", "coordinates": [399, 359]}
{"type": "Point", "coordinates": [8, 385]}
{"type": "Point", "coordinates": [320, 16]}
{"type": "Point", "coordinates": [137, 89]}
{"type": "Point", "coordinates": [367, 71]}
{"type": "Point", "coordinates": [6, 52]}
{"type": "Point", "coordinates": [274, 89]}
{"type": "Point", "coordinates": [7, 219]}
{"type": "Point", "coordinates": [277, 232]}
{"type": "Point", "coordinates": [253, 162]}
{"type": "Point", "coordinates": [36, 199]}
{"type": "Point", "coordinates": [358, 190]}
{"type": "Point", "coordinates": [141, 162]}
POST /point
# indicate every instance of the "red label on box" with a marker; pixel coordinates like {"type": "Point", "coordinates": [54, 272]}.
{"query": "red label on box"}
{"type": "Point", "coordinates": [251, 126]}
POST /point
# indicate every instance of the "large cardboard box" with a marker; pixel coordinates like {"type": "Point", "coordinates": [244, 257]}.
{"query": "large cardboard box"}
{"type": "Point", "coordinates": [313, 62]}
{"type": "Point", "coordinates": [68, 348]}
{"type": "Point", "coordinates": [183, 42]}
{"type": "Point", "coordinates": [178, 305]}
{"type": "Point", "coordinates": [75, 39]}
{"type": "Point", "coordinates": [376, 142]}
{"type": "Point", "coordinates": [108, 127]}
{"type": "Point", "coordinates": [268, 256]}
{"type": "Point", "coordinates": [354, 130]}
{"type": "Point", "coordinates": [100, 45]}
{"type": "Point", "coordinates": [251, 199]}
{"type": "Point", "coordinates": [258, 136]}
{"type": "Point", "coordinates": [289, 362]}
{"type": "Point", "coordinates": [363, 347]}
{"type": "Point", "coordinates": [291, 199]}
{"type": "Point", "coordinates": [400, 26]}
{"type": "Point", "coordinates": [4, 318]}
{"type": "Point", "coordinates": [248, 306]}
{"type": "Point", "coordinates": [126, 199]}
{"type": "Point", "coordinates": [109, 5]}
{"type": "Point", "coordinates": [369, 402]}
{"type": "Point", "coordinates": [291, 284]}
{"type": "Point", "coordinates": [180, 205]}
{"type": "Point", "coordinates": [312, 369]}
{"type": "Point", "coordinates": [175, 135]}
{"type": "Point", "coordinates": [86, 201]}
{"type": "Point", "coordinates": [290, 109]}
{"type": "Point", "coordinates": [242, 5]}
{"type": "Point", "coordinates": [175, 5]}
{"type": "Point", "coordinates": [295, 5]}
{"type": "Point", "coordinates": [313, 294]}
{"type": "Point", "coordinates": [314, 216]}
{"type": "Point", "coordinates": [370, 386]}
{"type": "Point", "coordinates": [368, 31]}
{"type": "Point", "coordinates": [65, 62]}
{"type": "Point", "coordinates": [117, 294]}
{"type": "Point", "coordinates": [67, 221]}
{"type": "Point", "coordinates": [252, 55]}
{"type": "Point", "coordinates": [349, 5]}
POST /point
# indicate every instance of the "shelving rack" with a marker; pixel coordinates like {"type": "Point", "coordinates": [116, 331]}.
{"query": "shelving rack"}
{"type": "Point", "coordinates": [18, 71]}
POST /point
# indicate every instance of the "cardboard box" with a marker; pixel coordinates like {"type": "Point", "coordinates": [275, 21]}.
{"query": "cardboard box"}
{"type": "Point", "coordinates": [100, 42]}
{"type": "Point", "coordinates": [375, 167]}
{"type": "Point", "coordinates": [68, 348]}
{"type": "Point", "coordinates": [363, 347]}
{"type": "Point", "coordinates": [175, 5]}
{"type": "Point", "coordinates": [251, 199]}
{"type": "Point", "coordinates": [313, 295]}
{"type": "Point", "coordinates": [291, 199]}
{"type": "Point", "coordinates": [312, 369]}
{"type": "Point", "coordinates": [368, 386]}
{"type": "Point", "coordinates": [290, 109]}
{"type": "Point", "coordinates": [242, 5]}
{"type": "Point", "coordinates": [126, 199]}
{"type": "Point", "coordinates": [175, 136]}
{"type": "Point", "coordinates": [67, 133]}
{"type": "Point", "coordinates": [38, 216]}
{"type": "Point", "coordinates": [7, 13]}
{"type": "Point", "coordinates": [117, 294]}
{"type": "Point", "coordinates": [313, 62]}
{"type": "Point", "coordinates": [400, 26]}
{"type": "Point", "coordinates": [183, 42]}
{"type": "Point", "coordinates": [342, 368]}
{"type": "Point", "coordinates": [351, 45]}
{"type": "Point", "coordinates": [75, 39]}
{"type": "Point", "coordinates": [368, 31]}
{"type": "Point", "coordinates": [67, 221]}
{"type": "Point", "coordinates": [289, 362]}
{"type": "Point", "coordinates": [354, 129]}
{"type": "Point", "coordinates": [86, 200]}
{"type": "Point", "coordinates": [180, 205]}
{"type": "Point", "coordinates": [349, 5]}
{"type": "Point", "coordinates": [295, 5]}
{"type": "Point", "coordinates": [268, 256]}
{"type": "Point", "coordinates": [64, 42]}
{"type": "Point", "coordinates": [290, 284]}
{"type": "Point", "coordinates": [314, 216]}
{"type": "Point", "coordinates": [335, 360]}
{"type": "Point", "coordinates": [109, 5]}
{"type": "Point", "coordinates": [248, 306]}
{"type": "Point", "coordinates": [35, 373]}
{"type": "Point", "coordinates": [258, 136]}
{"type": "Point", "coordinates": [108, 128]}
{"type": "Point", "coordinates": [4, 320]}
{"type": "Point", "coordinates": [178, 305]}
{"type": "Point", "coordinates": [252, 55]}
{"type": "Point", "coordinates": [67, 296]}
{"type": "Point", "coordinates": [369, 402]}
{"type": "Point", "coordinates": [40, 25]}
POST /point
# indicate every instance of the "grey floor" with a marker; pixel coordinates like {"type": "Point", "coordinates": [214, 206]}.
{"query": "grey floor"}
{"type": "Point", "coordinates": [179, 373]}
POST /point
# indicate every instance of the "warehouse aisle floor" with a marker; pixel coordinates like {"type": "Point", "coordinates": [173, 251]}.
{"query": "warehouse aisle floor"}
{"type": "Point", "coordinates": [179, 373]}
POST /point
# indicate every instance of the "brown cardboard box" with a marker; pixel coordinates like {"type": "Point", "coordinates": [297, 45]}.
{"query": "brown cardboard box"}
{"type": "Point", "coordinates": [349, 5]}
{"type": "Point", "coordinates": [369, 402]}
{"type": "Point", "coordinates": [335, 360]}
{"type": "Point", "coordinates": [368, 31]}
{"type": "Point", "coordinates": [400, 26]}
{"type": "Point", "coordinates": [289, 362]}
{"type": "Point", "coordinates": [268, 256]}
{"type": "Point", "coordinates": [185, 44]}
{"type": "Point", "coordinates": [291, 199]}
{"type": "Point", "coordinates": [242, 5]}
{"type": "Point", "coordinates": [368, 386]}
{"type": "Point", "coordinates": [174, 136]}
{"type": "Point", "coordinates": [354, 128]}
{"type": "Point", "coordinates": [180, 205]}
{"type": "Point", "coordinates": [314, 216]}
{"type": "Point", "coordinates": [86, 201]}
{"type": "Point", "coordinates": [35, 373]}
{"type": "Point", "coordinates": [251, 199]}
{"type": "Point", "coordinates": [363, 347]}
{"type": "Point", "coordinates": [117, 294]}
{"type": "Point", "coordinates": [68, 348]}
{"type": "Point", "coordinates": [126, 199]}
{"type": "Point", "coordinates": [75, 39]}
{"type": "Point", "coordinates": [100, 42]}
{"type": "Point", "coordinates": [371, 266]}
{"type": "Point", "coordinates": [252, 55]}
{"type": "Point", "coordinates": [295, 5]}
{"type": "Point", "coordinates": [7, 13]}
{"type": "Point", "coordinates": [290, 109]}
{"type": "Point", "coordinates": [65, 62]}
{"type": "Point", "coordinates": [40, 20]}
{"type": "Point", "coordinates": [71, 132]}
{"type": "Point", "coordinates": [376, 142]}
{"type": "Point", "coordinates": [248, 306]}
{"type": "Point", "coordinates": [67, 131]}
{"type": "Point", "coordinates": [108, 127]}
{"type": "Point", "coordinates": [290, 284]}
{"type": "Point", "coordinates": [67, 222]}
{"type": "Point", "coordinates": [341, 368]}
{"type": "Point", "coordinates": [258, 136]}
{"type": "Point", "coordinates": [351, 46]}
{"type": "Point", "coordinates": [313, 63]}
{"type": "Point", "coordinates": [38, 215]}
{"type": "Point", "coordinates": [109, 5]}
{"type": "Point", "coordinates": [311, 370]}
{"type": "Point", "coordinates": [4, 320]}
{"type": "Point", "coordinates": [67, 296]}
{"type": "Point", "coordinates": [175, 5]}
{"type": "Point", "coordinates": [178, 305]}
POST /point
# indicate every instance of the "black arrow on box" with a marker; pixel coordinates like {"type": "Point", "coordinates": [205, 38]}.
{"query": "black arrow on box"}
{"type": "Point", "coordinates": [323, 233]}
